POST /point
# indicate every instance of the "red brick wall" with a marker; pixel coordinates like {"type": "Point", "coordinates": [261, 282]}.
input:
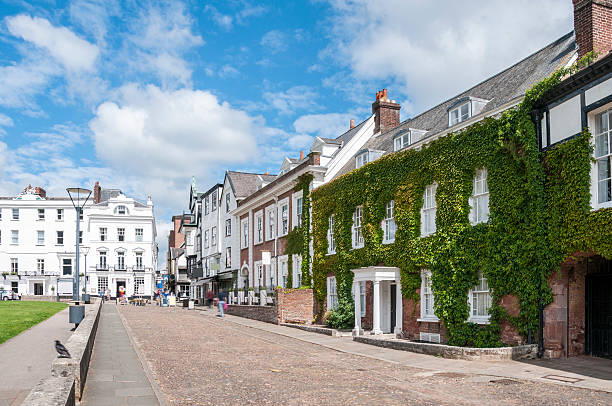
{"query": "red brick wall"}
{"type": "Point", "coordinates": [411, 327]}
{"type": "Point", "coordinates": [593, 25]}
{"type": "Point", "coordinates": [387, 115]}
{"type": "Point", "coordinates": [295, 305]}
{"type": "Point", "coordinates": [555, 314]}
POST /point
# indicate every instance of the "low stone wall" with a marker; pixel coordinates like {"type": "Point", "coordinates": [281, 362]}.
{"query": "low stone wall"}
{"type": "Point", "coordinates": [68, 375]}
{"type": "Point", "coordinates": [320, 330]}
{"type": "Point", "coordinates": [261, 313]}
{"type": "Point", "coordinates": [48, 298]}
{"type": "Point", "coordinates": [295, 305]}
{"type": "Point", "coordinates": [447, 351]}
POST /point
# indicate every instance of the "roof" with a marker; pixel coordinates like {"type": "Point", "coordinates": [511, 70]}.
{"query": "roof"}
{"type": "Point", "coordinates": [244, 183]}
{"type": "Point", "coordinates": [500, 89]}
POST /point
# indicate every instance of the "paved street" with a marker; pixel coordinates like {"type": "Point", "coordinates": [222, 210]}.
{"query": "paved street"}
{"type": "Point", "coordinates": [198, 359]}
{"type": "Point", "coordinates": [26, 358]}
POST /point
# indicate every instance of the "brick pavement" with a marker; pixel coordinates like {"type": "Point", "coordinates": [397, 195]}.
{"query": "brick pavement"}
{"type": "Point", "coordinates": [115, 376]}
{"type": "Point", "coordinates": [202, 360]}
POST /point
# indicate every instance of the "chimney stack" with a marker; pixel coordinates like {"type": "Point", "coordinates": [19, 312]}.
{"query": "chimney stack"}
{"type": "Point", "coordinates": [97, 193]}
{"type": "Point", "coordinates": [593, 26]}
{"type": "Point", "coordinates": [301, 155]}
{"type": "Point", "coordinates": [352, 123]}
{"type": "Point", "coordinates": [386, 112]}
{"type": "Point", "coordinates": [40, 192]}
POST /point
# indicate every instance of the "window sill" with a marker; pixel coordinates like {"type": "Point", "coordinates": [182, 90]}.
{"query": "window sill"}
{"type": "Point", "coordinates": [429, 320]}
{"type": "Point", "coordinates": [479, 320]}
{"type": "Point", "coordinates": [59, 221]}
{"type": "Point", "coordinates": [604, 205]}
{"type": "Point", "coordinates": [388, 242]}
{"type": "Point", "coordinates": [331, 253]}
{"type": "Point", "coordinates": [356, 247]}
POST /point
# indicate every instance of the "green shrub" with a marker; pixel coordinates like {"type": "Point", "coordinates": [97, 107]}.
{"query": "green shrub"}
{"type": "Point", "coordinates": [475, 335]}
{"type": "Point", "coordinates": [343, 316]}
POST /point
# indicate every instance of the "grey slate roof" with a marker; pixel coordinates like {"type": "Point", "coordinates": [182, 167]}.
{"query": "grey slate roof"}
{"type": "Point", "coordinates": [499, 90]}
{"type": "Point", "coordinates": [245, 184]}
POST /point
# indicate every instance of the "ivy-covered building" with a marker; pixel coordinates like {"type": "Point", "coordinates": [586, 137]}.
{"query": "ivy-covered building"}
{"type": "Point", "coordinates": [458, 224]}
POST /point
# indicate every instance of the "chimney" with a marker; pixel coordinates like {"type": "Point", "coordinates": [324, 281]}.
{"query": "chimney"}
{"type": "Point", "coordinates": [301, 155]}
{"type": "Point", "coordinates": [352, 123]}
{"type": "Point", "coordinates": [267, 173]}
{"type": "Point", "coordinates": [97, 193]}
{"type": "Point", "coordinates": [593, 26]}
{"type": "Point", "coordinates": [40, 192]}
{"type": "Point", "coordinates": [386, 112]}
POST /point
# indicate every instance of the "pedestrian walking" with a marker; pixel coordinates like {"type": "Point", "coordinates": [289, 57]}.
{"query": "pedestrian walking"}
{"type": "Point", "coordinates": [222, 299]}
{"type": "Point", "coordinates": [101, 295]}
{"type": "Point", "coordinates": [209, 298]}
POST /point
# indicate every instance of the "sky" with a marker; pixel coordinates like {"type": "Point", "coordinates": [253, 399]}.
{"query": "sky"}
{"type": "Point", "coordinates": [143, 95]}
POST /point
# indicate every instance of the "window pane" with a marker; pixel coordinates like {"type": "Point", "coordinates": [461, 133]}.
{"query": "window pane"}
{"type": "Point", "coordinates": [601, 124]}
{"type": "Point", "coordinates": [601, 145]}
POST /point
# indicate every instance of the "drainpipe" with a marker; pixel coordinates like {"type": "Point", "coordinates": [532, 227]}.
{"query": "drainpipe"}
{"type": "Point", "coordinates": [276, 224]}
{"type": "Point", "coordinates": [541, 317]}
{"type": "Point", "coordinates": [567, 338]}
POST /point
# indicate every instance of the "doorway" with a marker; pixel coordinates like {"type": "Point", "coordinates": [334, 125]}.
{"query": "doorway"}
{"type": "Point", "coordinates": [38, 289]}
{"type": "Point", "coordinates": [119, 285]}
{"type": "Point", "coordinates": [599, 311]}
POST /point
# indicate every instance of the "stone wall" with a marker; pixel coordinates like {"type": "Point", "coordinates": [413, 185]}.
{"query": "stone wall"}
{"type": "Point", "coordinates": [255, 312]}
{"type": "Point", "coordinates": [295, 305]}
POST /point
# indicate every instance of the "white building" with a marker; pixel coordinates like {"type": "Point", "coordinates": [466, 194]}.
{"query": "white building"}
{"type": "Point", "coordinates": [38, 236]}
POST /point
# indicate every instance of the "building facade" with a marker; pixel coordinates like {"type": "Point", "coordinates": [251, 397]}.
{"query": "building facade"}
{"type": "Point", "coordinates": [37, 249]}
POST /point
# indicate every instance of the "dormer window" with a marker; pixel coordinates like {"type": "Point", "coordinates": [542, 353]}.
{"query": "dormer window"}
{"type": "Point", "coordinates": [361, 159]}
{"type": "Point", "coordinates": [121, 210]}
{"type": "Point", "coordinates": [402, 140]}
{"type": "Point", "coordinates": [459, 114]}
{"type": "Point", "coordinates": [365, 156]}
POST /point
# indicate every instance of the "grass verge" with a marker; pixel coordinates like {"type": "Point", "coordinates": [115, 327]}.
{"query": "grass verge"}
{"type": "Point", "coordinates": [17, 316]}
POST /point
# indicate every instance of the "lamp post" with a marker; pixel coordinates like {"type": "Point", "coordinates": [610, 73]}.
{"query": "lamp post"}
{"type": "Point", "coordinates": [85, 252]}
{"type": "Point", "coordinates": [79, 197]}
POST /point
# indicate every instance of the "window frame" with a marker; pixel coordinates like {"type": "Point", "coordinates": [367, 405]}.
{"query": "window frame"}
{"type": "Point", "coordinates": [283, 217]}
{"type": "Point", "coordinates": [331, 241]}
{"type": "Point", "coordinates": [460, 117]}
{"type": "Point", "coordinates": [596, 178]}
{"type": "Point", "coordinates": [477, 198]}
{"type": "Point", "coordinates": [41, 214]}
{"type": "Point", "coordinates": [39, 240]}
{"type": "Point", "coordinates": [15, 214]}
{"type": "Point", "coordinates": [429, 210]}
{"type": "Point", "coordinates": [332, 293]}
{"type": "Point", "coordinates": [403, 143]}
{"type": "Point", "coordinates": [480, 319]}
{"type": "Point", "coordinates": [270, 223]}
{"type": "Point", "coordinates": [244, 233]}
{"type": "Point", "coordinates": [388, 222]}
{"type": "Point", "coordinates": [357, 230]}
{"type": "Point", "coordinates": [59, 215]}
{"type": "Point", "coordinates": [228, 227]}
{"type": "Point", "coordinates": [40, 265]}
{"type": "Point", "coordinates": [103, 233]}
{"type": "Point", "coordinates": [121, 234]}
{"type": "Point", "coordinates": [427, 289]}
{"type": "Point", "coordinates": [139, 236]}
{"type": "Point", "coordinates": [59, 237]}
{"type": "Point", "coordinates": [14, 237]}
{"type": "Point", "coordinates": [361, 159]}
{"type": "Point", "coordinates": [259, 232]}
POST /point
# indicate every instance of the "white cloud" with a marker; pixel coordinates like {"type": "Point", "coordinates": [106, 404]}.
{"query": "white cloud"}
{"type": "Point", "coordinates": [5, 121]}
{"type": "Point", "coordinates": [223, 20]}
{"type": "Point", "coordinates": [227, 71]}
{"type": "Point", "coordinates": [19, 83]}
{"type": "Point", "coordinates": [159, 41]}
{"type": "Point", "coordinates": [436, 49]}
{"type": "Point", "coordinates": [68, 49]}
{"type": "Point", "coordinates": [275, 41]}
{"type": "Point", "coordinates": [328, 125]}
{"type": "Point", "coordinates": [295, 98]}
{"type": "Point", "coordinates": [171, 135]}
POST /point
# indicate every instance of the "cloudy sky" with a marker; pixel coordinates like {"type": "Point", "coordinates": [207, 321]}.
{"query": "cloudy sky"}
{"type": "Point", "coordinates": [143, 95]}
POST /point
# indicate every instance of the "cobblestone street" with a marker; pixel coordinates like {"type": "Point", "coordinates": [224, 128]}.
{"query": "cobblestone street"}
{"type": "Point", "coordinates": [198, 359]}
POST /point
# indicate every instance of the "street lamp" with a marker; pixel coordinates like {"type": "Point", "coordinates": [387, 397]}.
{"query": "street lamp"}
{"type": "Point", "coordinates": [79, 197]}
{"type": "Point", "coordinates": [85, 252]}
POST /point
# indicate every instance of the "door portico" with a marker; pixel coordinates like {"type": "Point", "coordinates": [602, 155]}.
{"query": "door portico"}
{"type": "Point", "coordinates": [384, 279]}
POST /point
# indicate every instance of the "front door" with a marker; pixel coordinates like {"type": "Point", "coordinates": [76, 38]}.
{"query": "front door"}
{"type": "Point", "coordinates": [599, 311]}
{"type": "Point", "coordinates": [393, 308]}
{"type": "Point", "coordinates": [38, 289]}
{"type": "Point", "coordinates": [119, 285]}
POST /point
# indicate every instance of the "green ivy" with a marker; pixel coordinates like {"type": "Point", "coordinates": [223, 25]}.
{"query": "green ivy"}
{"type": "Point", "coordinates": [532, 211]}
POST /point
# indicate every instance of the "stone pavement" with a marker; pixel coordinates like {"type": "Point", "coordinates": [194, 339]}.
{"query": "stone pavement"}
{"type": "Point", "coordinates": [26, 358]}
{"type": "Point", "coordinates": [199, 359]}
{"type": "Point", "coordinates": [583, 372]}
{"type": "Point", "coordinates": [116, 376]}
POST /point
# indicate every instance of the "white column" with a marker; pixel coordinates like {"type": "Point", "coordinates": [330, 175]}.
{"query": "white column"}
{"type": "Point", "coordinates": [357, 330]}
{"type": "Point", "coordinates": [376, 311]}
{"type": "Point", "coordinates": [398, 308]}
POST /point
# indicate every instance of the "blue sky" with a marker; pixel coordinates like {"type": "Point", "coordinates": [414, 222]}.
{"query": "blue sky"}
{"type": "Point", "coordinates": [143, 95]}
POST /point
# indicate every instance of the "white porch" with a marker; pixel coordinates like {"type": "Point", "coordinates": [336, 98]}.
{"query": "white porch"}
{"type": "Point", "coordinates": [387, 299]}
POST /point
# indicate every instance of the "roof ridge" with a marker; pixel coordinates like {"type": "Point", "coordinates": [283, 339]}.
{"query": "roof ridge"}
{"type": "Point", "coordinates": [555, 42]}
